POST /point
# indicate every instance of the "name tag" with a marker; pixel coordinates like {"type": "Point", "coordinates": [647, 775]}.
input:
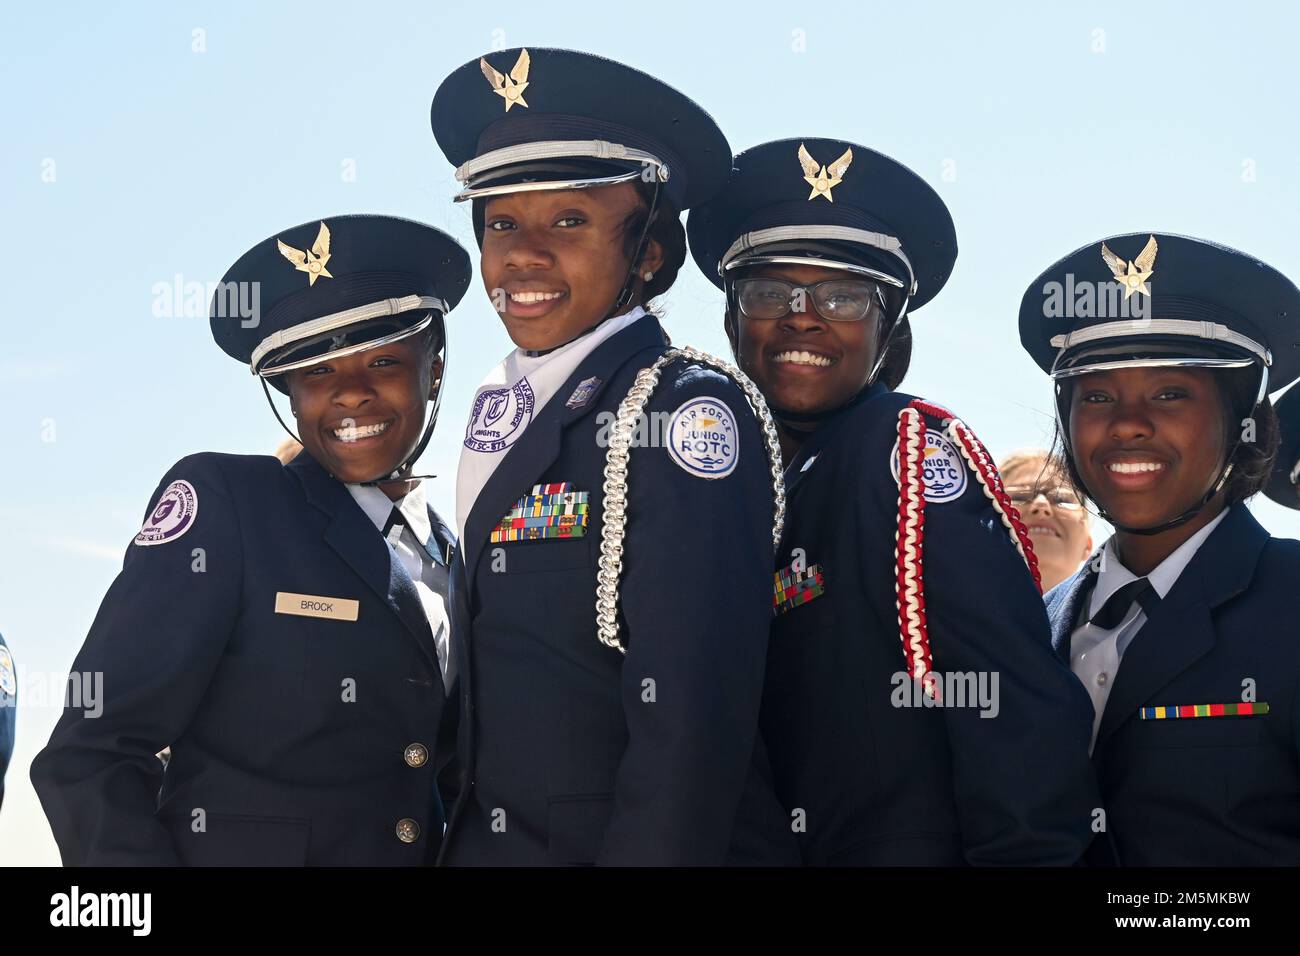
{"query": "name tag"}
{"type": "Point", "coordinates": [314, 605]}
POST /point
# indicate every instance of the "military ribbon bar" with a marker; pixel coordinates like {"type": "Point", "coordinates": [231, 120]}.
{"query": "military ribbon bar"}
{"type": "Point", "coordinates": [791, 588]}
{"type": "Point", "coordinates": [1203, 710]}
{"type": "Point", "coordinates": [552, 510]}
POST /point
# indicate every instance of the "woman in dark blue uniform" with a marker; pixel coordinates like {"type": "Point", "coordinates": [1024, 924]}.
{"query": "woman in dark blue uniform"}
{"type": "Point", "coordinates": [8, 711]}
{"type": "Point", "coordinates": [617, 501]}
{"type": "Point", "coordinates": [1284, 484]}
{"type": "Point", "coordinates": [282, 628]}
{"type": "Point", "coordinates": [1162, 350]}
{"type": "Point", "coordinates": [914, 712]}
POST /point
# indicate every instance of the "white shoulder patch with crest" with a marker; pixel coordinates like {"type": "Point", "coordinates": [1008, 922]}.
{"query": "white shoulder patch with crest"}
{"type": "Point", "coordinates": [172, 516]}
{"type": "Point", "coordinates": [703, 439]}
{"type": "Point", "coordinates": [943, 469]}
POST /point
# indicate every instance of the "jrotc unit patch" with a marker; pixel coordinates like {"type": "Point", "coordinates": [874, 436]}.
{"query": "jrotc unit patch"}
{"type": "Point", "coordinates": [499, 417]}
{"type": "Point", "coordinates": [943, 469]}
{"type": "Point", "coordinates": [172, 516]}
{"type": "Point", "coordinates": [791, 587]}
{"type": "Point", "coordinates": [548, 511]}
{"type": "Point", "coordinates": [702, 438]}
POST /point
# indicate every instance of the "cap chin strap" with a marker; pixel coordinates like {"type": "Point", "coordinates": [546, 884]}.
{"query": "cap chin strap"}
{"type": "Point", "coordinates": [1183, 518]}
{"type": "Point", "coordinates": [396, 474]}
{"type": "Point", "coordinates": [1191, 512]}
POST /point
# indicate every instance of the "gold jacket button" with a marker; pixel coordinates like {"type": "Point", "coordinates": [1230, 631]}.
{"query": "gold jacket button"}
{"type": "Point", "coordinates": [408, 831]}
{"type": "Point", "coordinates": [417, 755]}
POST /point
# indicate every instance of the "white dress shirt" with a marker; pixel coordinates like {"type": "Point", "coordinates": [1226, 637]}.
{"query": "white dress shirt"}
{"type": "Point", "coordinates": [541, 377]}
{"type": "Point", "coordinates": [1095, 653]}
{"type": "Point", "coordinates": [427, 568]}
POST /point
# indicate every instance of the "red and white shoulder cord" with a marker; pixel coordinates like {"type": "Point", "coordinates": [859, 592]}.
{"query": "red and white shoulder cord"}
{"type": "Point", "coordinates": [910, 538]}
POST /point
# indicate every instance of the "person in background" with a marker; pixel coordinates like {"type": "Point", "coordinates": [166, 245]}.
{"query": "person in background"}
{"type": "Point", "coordinates": [287, 450]}
{"type": "Point", "coordinates": [1051, 510]}
{"type": "Point", "coordinates": [1284, 484]}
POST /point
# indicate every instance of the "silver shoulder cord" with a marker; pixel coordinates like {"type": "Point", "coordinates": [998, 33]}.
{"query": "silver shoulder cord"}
{"type": "Point", "coordinates": [610, 566]}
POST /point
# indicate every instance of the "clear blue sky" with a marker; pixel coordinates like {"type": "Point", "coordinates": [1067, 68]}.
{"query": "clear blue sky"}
{"type": "Point", "coordinates": [1043, 126]}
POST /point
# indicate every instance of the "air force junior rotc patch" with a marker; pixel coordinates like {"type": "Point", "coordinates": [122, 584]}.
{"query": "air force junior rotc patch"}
{"type": "Point", "coordinates": [702, 438]}
{"type": "Point", "coordinates": [943, 469]}
{"type": "Point", "coordinates": [173, 515]}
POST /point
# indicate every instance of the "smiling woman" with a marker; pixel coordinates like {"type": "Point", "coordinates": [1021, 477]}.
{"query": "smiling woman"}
{"type": "Point", "coordinates": [361, 415]}
{"type": "Point", "coordinates": [1052, 511]}
{"type": "Point", "coordinates": [615, 600]}
{"type": "Point", "coordinates": [267, 609]}
{"type": "Point", "coordinates": [902, 557]}
{"type": "Point", "coordinates": [1164, 424]}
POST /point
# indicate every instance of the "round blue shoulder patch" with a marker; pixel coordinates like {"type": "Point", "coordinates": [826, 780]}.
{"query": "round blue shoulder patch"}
{"type": "Point", "coordinates": [702, 438]}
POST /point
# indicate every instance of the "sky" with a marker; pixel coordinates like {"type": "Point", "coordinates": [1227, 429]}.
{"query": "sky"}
{"type": "Point", "coordinates": [148, 145]}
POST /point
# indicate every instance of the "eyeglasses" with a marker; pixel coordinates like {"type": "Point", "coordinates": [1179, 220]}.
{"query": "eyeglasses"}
{"type": "Point", "coordinates": [839, 300]}
{"type": "Point", "coordinates": [1058, 497]}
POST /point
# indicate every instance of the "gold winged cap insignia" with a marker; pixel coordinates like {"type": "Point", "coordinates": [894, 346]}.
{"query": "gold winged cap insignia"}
{"type": "Point", "coordinates": [312, 261]}
{"type": "Point", "coordinates": [509, 88]}
{"type": "Point", "coordinates": [821, 178]}
{"type": "Point", "coordinates": [1133, 275]}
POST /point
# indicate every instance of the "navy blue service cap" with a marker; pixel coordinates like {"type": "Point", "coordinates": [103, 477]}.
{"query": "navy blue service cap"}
{"type": "Point", "coordinates": [1152, 299]}
{"type": "Point", "coordinates": [522, 120]}
{"type": "Point", "coordinates": [1284, 484]}
{"type": "Point", "coordinates": [336, 286]}
{"type": "Point", "coordinates": [833, 203]}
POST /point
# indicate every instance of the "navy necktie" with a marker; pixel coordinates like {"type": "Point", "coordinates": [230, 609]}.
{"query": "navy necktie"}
{"type": "Point", "coordinates": [1116, 607]}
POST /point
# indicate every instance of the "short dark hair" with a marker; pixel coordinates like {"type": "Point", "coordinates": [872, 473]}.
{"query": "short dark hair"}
{"type": "Point", "coordinates": [898, 357]}
{"type": "Point", "coordinates": [666, 229]}
{"type": "Point", "coordinates": [1252, 461]}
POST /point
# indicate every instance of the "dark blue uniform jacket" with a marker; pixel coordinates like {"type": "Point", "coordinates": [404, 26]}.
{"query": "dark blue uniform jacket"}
{"type": "Point", "coordinates": [877, 777]}
{"type": "Point", "coordinates": [1203, 791]}
{"type": "Point", "coordinates": [573, 753]}
{"type": "Point", "coordinates": [289, 734]}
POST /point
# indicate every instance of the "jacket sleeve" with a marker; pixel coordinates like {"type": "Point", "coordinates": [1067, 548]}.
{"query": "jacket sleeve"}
{"type": "Point", "coordinates": [1024, 786]}
{"type": "Point", "coordinates": [695, 600]}
{"type": "Point", "coordinates": [140, 675]}
{"type": "Point", "coordinates": [8, 716]}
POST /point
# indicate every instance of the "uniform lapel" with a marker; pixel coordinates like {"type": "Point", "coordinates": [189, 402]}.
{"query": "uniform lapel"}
{"type": "Point", "coordinates": [1181, 630]}
{"type": "Point", "coordinates": [539, 446]}
{"type": "Point", "coordinates": [1065, 601]}
{"type": "Point", "coordinates": [817, 442]}
{"type": "Point", "coordinates": [356, 540]}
